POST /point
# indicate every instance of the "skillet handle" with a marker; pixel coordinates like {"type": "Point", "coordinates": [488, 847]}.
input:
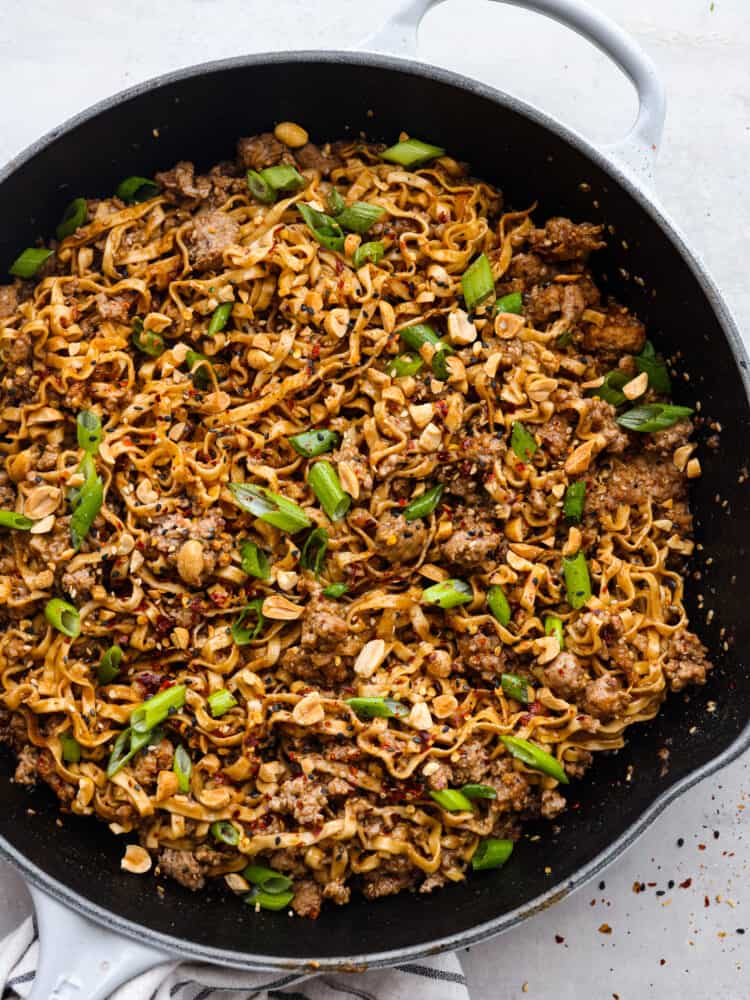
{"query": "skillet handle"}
{"type": "Point", "coordinates": [637, 151]}
{"type": "Point", "coordinates": [80, 960]}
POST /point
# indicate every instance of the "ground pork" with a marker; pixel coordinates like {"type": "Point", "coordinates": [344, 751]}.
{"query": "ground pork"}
{"type": "Point", "coordinates": [565, 676]}
{"type": "Point", "coordinates": [350, 453]}
{"type": "Point", "coordinates": [114, 307]}
{"type": "Point", "coordinates": [302, 798]}
{"type": "Point", "coordinates": [602, 420]}
{"type": "Point", "coordinates": [148, 763]}
{"type": "Point", "coordinates": [473, 543]}
{"type": "Point", "coordinates": [323, 628]}
{"type": "Point", "coordinates": [562, 239]}
{"type": "Point", "coordinates": [440, 778]}
{"type": "Point", "coordinates": [26, 768]}
{"type": "Point", "coordinates": [633, 481]}
{"type": "Point", "coordinates": [555, 435]}
{"type": "Point", "coordinates": [472, 763]}
{"type": "Point", "coordinates": [667, 441]}
{"type": "Point", "coordinates": [181, 182]}
{"type": "Point", "coordinates": [79, 582]}
{"type": "Point", "coordinates": [542, 304]}
{"type": "Point", "coordinates": [465, 477]}
{"type": "Point", "coordinates": [46, 767]}
{"type": "Point", "coordinates": [256, 152]}
{"type": "Point", "coordinates": [685, 661]}
{"type": "Point", "coordinates": [308, 897]}
{"type": "Point", "coordinates": [553, 803]}
{"type": "Point", "coordinates": [337, 891]}
{"type": "Point", "coordinates": [399, 540]}
{"type": "Point", "coordinates": [393, 875]}
{"type": "Point", "coordinates": [483, 653]}
{"type": "Point", "coordinates": [311, 157]}
{"type": "Point", "coordinates": [212, 234]}
{"type": "Point", "coordinates": [621, 333]}
{"type": "Point", "coordinates": [183, 867]}
{"type": "Point", "coordinates": [605, 697]}
{"type": "Point", "coordinates": [168, 533]}
{"type": "Point", "coordinates": [18, 351]}
{"type": "Point", "coordinates": [8, 300]}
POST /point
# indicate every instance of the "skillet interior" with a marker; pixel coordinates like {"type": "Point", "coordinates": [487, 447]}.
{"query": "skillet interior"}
{"type": "Point", "coordinates": [199, 117]}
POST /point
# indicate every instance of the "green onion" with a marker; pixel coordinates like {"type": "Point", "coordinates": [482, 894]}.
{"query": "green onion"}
{"type": "Point", "coordinates": [655, 367]}
{"type": "Point", "coordinates": [270, 507]}
{"type": "Point", "coordinates": [71, 749]}
{"type": "Point", "coordinates": [378, 708]}
{"type": "Point", "coordinates": [254, 561]}
{"type": "Point", "coordinates": [610, 389]}
{"type": "Point", "coordinates": [283, 177]}
{"type": "Point", "coordinates": [147, 341]}
{"type": "Point", "coordinates": [448, 594]}
{"type": "Point", "coordinates": [226, 832]}
{"type": "Point", "coordinates": [510, 303]}
{"type": "Point", "coordinates": [325, 229]}
{"type": "Point", "coordinates": [334, 202]}
{"type": "Point", "coordinates": [183, 768]}
{"type": "Point", "coordinates": [136, 189]}
{"type": "Point", "coordinates": [411, 153]}
{"type": "Point", "coordinates": [491, 853]}
{"type": "Point", "coordinates": [479, 791]}
{"type": "Point", "coordinates": [424, 504]}
{"type": "Point", "coordinates": [127, 745]}
{"type": "Point", "coordinates": [267, 879]}
{"type": "Point", "coordinates": [452, 800]}
{"type": "Point", "coordinates": [202, 376]}
{"type": "Point", "coordinates": [360, 216]}
{"type": "Point", "coordinates": [577, 580]}
{"type": "Point", "coordinates": [324, 482]}
{"type": "Point", "coordinates": [477, 282]}
{"type": "Point", "coordinates": [220, 702]}
{"type": "Point", "coordinates": [314, 551]}
{"type": "Point", "coordinates": [404, 364]}
{"type": "Point", "coordinates": [554, 626]}
{"type": "Point", "coordinates": [533, 756]}
{"type": "Point", "coordinates": [498, 604]}
{"type": "Point", "coordinates": [89, 431]}
{"type": "Point", "coordinates": [154, 711]}
{"type": "Point", "coordinates": [74, 216]}
{"type": "Point", "coordinates": [438, 365]}
{"type": "Point", "coordinates": [220, 317]}
{"type": "Point", "coordinates": [372, 252]}
{"type": "Point", "coordinates": [335, 590]}
{"type": "Point", "coordinates": [260, 188]}
{"type": "Point", "coordinates": [653, 417]}
{"type": "Point", "coordinates": [9, 519]}
{"type": "Point", "coordinates": [28, 263]}
{"type": "Point", "coordinates": [573, 501]}
{"type": "Point", "coordinates": [418, 335]}
{"type": "Point", "coordinates": [87, 504]}
{"type": "Point", "coordinates": [240, 633]}
{"type": "Point", "coordinates": [269, 900]}
{"type": "Point", "coordinates": [565, 339]}
{"type": "Point", "coordinates": [515, 687]}
{"type": "Point", "coordinates": [109, 665]}
{"type": "Point", "coordinates": [312, 443]}
{"type": "Point", "coordinates": [63, 616]}
{"type": "Point", "coordinates": [522, 442]}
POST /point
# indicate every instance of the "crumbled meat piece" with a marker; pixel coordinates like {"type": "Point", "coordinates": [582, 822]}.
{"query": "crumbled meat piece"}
{"type": "Point", "coordinates": [509, 352]}
{"type": "Point", "coordinates": [483, 653]}
{"type": "Point", "coordinates": [602, 420]}
{"type": "Point", "coordinates": [605, 697]}
{"type": "Point", "coordinates": [685, 661]}
{"type": "Point", "coordinates": [555, 435]}
{"type": "Point", "coordinates": [441, 778]}
{"type": "Point", "coordinates": [562, 239]}
{"type": "Point", "coordinates": [465, 476]}
{"type": "Point", "coordinates": [620, 333]}
{"type": "Point", "coordinates": [256, 152]}
{"type": "Point", "coordinates": [79, 582]}
{"type": "Point", "coordinates": [149, 762]}
{"type": "Point", "coordinates": [26, 768]}
{"type": "Point", "coordinates": [212, 234]}
{"type": "Point", "coordinates": [18, 350]}
{"type": "Point", "coordinates": [474, 543]}
{"type": "Point", "coordinates": [323, 628]}
{"type": "Point", "coordinates": [46, 767]}
{"type": "Point", "coordinates": [350, 453]}
{"type": "Point", "coordinates": [553, 803]}
{"type": "Point", "coordinates": [337, 891]}
{"type": "Point", "coordinates": [512, 787]}
{"type": "Point", "coordinates": [543, 303]}
{"type": "Point", "coordinates": [392, 875]}
{"type": "Point", "coordinates": [399, 540]}
{"type": "Point", "coordinates": [633, 481]}
{"type": "Point", "coordinates": [308, 896]}
{"type": "Point", "coordinates": [181, 182]}
{"type": "Point", "coordinates": [183, 867]}
{"type": "Point", "coordinates": [665, 442]}
{"type": "Point", "coordinates": [472, 764]}
{"type": "Point", "coordinates": [209, 857]}
{"type": "Point", "coordinates": [168, 533]}
{"type": "Point", "coordinates": [565, 676]}
{"type": "Point", "coordinates": [337, 786]}
{"type": "Point", "coordinates": [304, 798]}
{"type": "Point", "coordinates": [530, 269]}
{"type": "Point", "coordinates": [311, 157]}
{"type": "Point", "coordinates": [115, 307]}
{"type": "Point", "coordinates": [8, 300]}
{"type": "Point", "coordinates": [13, 725]}
{"type": "Point", "coordinates": [578, 767]}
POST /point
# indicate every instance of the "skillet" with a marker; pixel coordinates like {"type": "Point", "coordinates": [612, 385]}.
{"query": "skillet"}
{"type": "Point", "coordinates": [98, 925]}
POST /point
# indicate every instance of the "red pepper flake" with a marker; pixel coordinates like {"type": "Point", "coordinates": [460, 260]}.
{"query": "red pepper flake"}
{"type": "Point", "coordinates": [559, 938]}
{"type": "Point", "coordinates": [605, 929]}
{"type": "Point", "coordinates": [637, 887]}
{"type": "Point", "coordinates": [701, 847]}
{"type": "Point", "coordinates": [662, 961]}
{"type": "Point", "coordinates": [706, 901]}
{"type": "Point", "coordinates": [442, 216]}
{"type": "Point", "coordinates": [686, 884]}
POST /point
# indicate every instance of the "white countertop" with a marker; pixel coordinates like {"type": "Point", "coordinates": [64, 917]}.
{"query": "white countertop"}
{"type": "Point", "coordinates": [58, 57]}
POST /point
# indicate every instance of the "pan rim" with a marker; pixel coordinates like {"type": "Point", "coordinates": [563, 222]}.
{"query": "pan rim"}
{"type": "Point", "coordinates": [244, 960]}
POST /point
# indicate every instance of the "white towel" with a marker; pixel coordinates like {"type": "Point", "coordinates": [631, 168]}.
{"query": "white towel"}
{"type": "Point", "coordinates": [436, 978]}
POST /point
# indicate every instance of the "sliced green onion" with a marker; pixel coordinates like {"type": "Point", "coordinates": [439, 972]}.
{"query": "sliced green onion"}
{"type": "Point", "coordinates": [270, 507]}
{"type": "Point", "coordinates": [655, 367]}
{"type": "Point", "coordinates": [573, 501]}
{"type": "Point", "coordinates": [418, 335]}
{"type": "Point", "coordinates": [477, 282]}
{"type": "Point", "coordinates": [479, 791]}
{"type": "Point", "coordinates": [155, 710]}
{"type": "Point", "coordinates": [314, 551]}
{"type": "Point", "coordinates": [533, 756]}
{"type": "Point", "coordinates": [28, 263]}
{"type": "Point", "coordinates": [147, 341]}
{"type": "Point", "coordinates": [452, 800]}
{"type": "Point", "coordinates": [226, 832]}
{"type": "Point", "coordinates": [368, 252]}
{"type": "Point", "coordinates": [220, 317]}
{"type": "Point", "coordinates": [63, 616]}
{"type": "Point", "coordinates": [283, 177]}
{"type": "Point", "coordinates": [653, 417]}
{"type": "Point", "coordinates": [522, 442]}
{"type": "Point", "coordinates": [254, 561]}
{"type": "Point", "coordinates": [360, 216]}
{"type": "Point", "coordinates": [127, 745]}
{"type": "Point", "coordinates": [109, 665]}
{"type": "Point", "coordinates": [89, 431]}
{"type": "Point", "coordinates": [404, 364]}
{"type": "Point", "coordinates": [183, 768]}
{"type": "Point", "coordinates": [71, 749]}
{"type": "Point", "coordinates": [335, 590]}
{"type": "Point", "coordinates": [565, 339]}
{"type": "Point", "coordinates": [448, 594]}
{"type": "Point", "coordinates": [424, 504]}
{"type": "Point", "coordinates": [9, 519]}
{"type": "Point", "coordinates": [334, 202]}
{"type": "Point", "coordinates": [220, 702]}
{"type": "Point", "coordinates": [510, 303]}
{"type": "Point", "coordinates": [325, 229]}
{"type": "Point", "coordinates": [243, 635]}
{"type": "Point", "coordinates": [260, 188]}
{"type": "Point", "coordinates": [438, 364]}
{"type": "Point", "coordinates": [491, 853]}
{"type": "Point", "coordinates": [554, 626]}
{"type": "Point", "coordinates": [577, 579]}
{"type": "Point", "coordinates": [610, 389]}
{"type": "Point", "coordinates": [515, 687]}
{"type": "Point", "coordinates": [88, 503]}
{"type": "Point", "coordinates": [269, 900]}
{"type": "Point", "coordinates": [378, 708]}
{"type": "Point", "coordinates": [324, 482]}
{"type": "Point", "coordinates": [312, 443]}
{"type": "Point", "coordinates": [498, 604]}
{"type": "Point", "coordinates": [267, 879]}
{"type": "Point", "coordinates": [202, 375]}
{"type": "Point", "coordinates": [136, 189]}
{"type": "Point", "coordinates": [74, 216]}
{"type": "Point", "coordinates": [411, 153]}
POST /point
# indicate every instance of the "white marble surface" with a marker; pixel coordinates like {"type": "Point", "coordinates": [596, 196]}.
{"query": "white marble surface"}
{"type": "Point", "coordinates": [57, 57]}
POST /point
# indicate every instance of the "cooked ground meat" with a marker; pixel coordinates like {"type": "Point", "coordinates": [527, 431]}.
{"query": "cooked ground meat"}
{"type": "Point", "coordinates": [257, 152]}
{"type": "Point", "coordinates": [181, 182]}
{"type": "Point", "coordinates": [441, 778]}
{"type": "Point", "coordinates": [8, 300]}
{"type": "Point", "coordinates": [304, 798]}
{"type": "Point", "coordinates": [465, 476]}
{"type": "Point", "coordinates": [183, 867]}
{"type": "Point", "coordinates": [555, 435]}
{"type": "Point", "coordinates": [212, 234]}
{"type": "Point", "coordinates": [565, 676]}
{"type": "Point", "coordinates": [602, 419]}
{"type": "Point", "coordinates": [666, 442]}
{"type": "Point", "coordinates": [116, 307]}
{"type": "Point", "coordinates": [605, 697]}
{"type": "Point", "coordinates": [472, 763]}
{"type": "Point", "coordinates": [633, 481]}
{"type": "Point", "coordinates": [149, 762]}
{"type": "Point", "coordinates": [79, 582]}
{"type": "Point", "coordinates": [482, 653]}
{"type": "Point", "coordinates": [48, 773]}
{"type": "Point", "coordinates": [685, 661]}
{"type": "Point", "coordinates": [323, 628]}
{"type": "Point", "coordinates": [18, 350]}
{"type": "Point", "coordinates": [337, 891]}
{"type": "Point", "coordinates": [474, 543]}
{"type": "Point", "coordinates": [311, 157]}
{"type": "Point", "coordinates": [26, 768]}
{"type": "Point", "coordinates": [562, 239]}
{"type": "Point", "coordinates": [553, 803]}
{"type": "Point", "coordinates": [393, 875]}
{"type": "Point", "coordinates": [308, 896]}
{"type": "Point", "coordinates": [621, 332]}
{"type": "Point", "coordinates": [542, 304]}
{"type": "Point", "coordinates": [399, 540]}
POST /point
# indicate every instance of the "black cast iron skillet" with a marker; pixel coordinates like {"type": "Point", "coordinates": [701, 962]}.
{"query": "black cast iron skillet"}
{"type": "Point", "coordinates": [198, 114]}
